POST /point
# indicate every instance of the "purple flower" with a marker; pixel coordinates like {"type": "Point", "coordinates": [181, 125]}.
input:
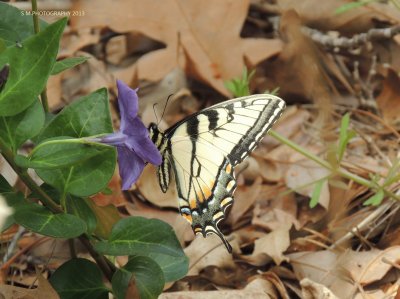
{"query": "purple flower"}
{"type": "Point", "coordinates": [133, 144]}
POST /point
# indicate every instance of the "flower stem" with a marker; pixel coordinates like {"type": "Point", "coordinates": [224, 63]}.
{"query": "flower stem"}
{"type": "Point", "coordinates": [36, 27]}
{"type": "Point", "coordinates": [340, 171]}
{"type": "Point", "coordinates": [84, 140]}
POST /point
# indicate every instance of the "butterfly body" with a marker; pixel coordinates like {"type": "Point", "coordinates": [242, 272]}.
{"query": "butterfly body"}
{"type": "Point", "coordinates": [202, 151]}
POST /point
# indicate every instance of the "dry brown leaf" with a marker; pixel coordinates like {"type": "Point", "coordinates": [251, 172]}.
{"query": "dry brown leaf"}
{"type": "Point", "coordinates": [300, 68]}
{"type": "Point", "coordinates": [323, 267]}
{"type": "Point", "coordinates": [209, 54]}
{"type": "Point", "coordinates": [106, 217]}
{"type": "Point", "coordinates": [302, 176]}
{"type": "Point", "coordinates": [270, 246]}
{"type": "Point", "coordinates": [389, 99]}
{"type": "Point", "coordinates": [44, 290]}
{"type": "Point", "coordinates": [245, 197]}
{"type": "Point", "coordinates": [281, 212]}
{"type": "Point", "coordinates": [54, 92]}
{"type": "Point", "coordinates": [210, 251]}
{"type": "Point", "coordinates": [149, 187]}
{"type": "Point", "coordinates": [353, 21]}
{"type": "Point", "coordinates": [343, 273]}
{"type": "Point", "coordinates": [258, 288]}
{"type": "Point", "coordinates": [72, 42]}
{"type": "Point", "coordinates": [312, 290]}
{"type": "Point", "coordinates": [369, 266]}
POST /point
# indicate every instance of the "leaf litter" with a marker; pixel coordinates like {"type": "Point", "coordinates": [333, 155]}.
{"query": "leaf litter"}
{"type": "Point", "coordinates": [282, 248]}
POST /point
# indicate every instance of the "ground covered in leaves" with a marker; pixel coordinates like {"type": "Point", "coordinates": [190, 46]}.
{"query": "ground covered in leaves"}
{"type": "Point", "coordinates": [325, 62]}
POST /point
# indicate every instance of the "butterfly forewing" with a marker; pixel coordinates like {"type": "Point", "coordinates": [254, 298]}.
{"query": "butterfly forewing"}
{"type": "Point", "coordinates": [203, 150]}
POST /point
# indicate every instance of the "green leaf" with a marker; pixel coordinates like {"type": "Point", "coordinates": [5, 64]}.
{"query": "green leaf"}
{"type": "Point", "coordinates": [345, 136]}
{"type": "Point", "coordinates": [67, 63]}
{"type": "Point", "coordinates": [239, 87]}
{"type": "Point", "coordinates": [84, 179]}
{"type": "Point", "coordinates": [79, 278]}
{"type": "Point", "coordinates": [16, 25]}
{"type": "Point", "coordinates": [41, 220]}
{"type": "Point", "coordinates": [79, 207]}
{"type": "Point", "coordinates": [173, 268]}
{"type": "Point", "coordinates": [30, 67]}
{"type": "Point", "coordinates": [86, 117]}
{"type": "Point", "coordinates": [15, 130]}
{"type": "Point", "coordinates": [376, 199]}
{"type": "Point", "coordinates": [352, 5]}
{"type": "Point", "coordinates": [59, 152]}
{"type": "Point", "coordinates": [316, 193]}
{"type": "Point", "coordinates": [147, 274]}
{"type": "Point", "coordinates": [136, 235]}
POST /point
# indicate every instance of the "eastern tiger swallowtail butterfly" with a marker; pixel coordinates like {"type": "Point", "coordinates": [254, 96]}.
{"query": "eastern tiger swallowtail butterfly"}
{"type": "Point", "coordinates": [203, 149]}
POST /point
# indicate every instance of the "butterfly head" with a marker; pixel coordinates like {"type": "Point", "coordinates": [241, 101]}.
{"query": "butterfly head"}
{"type": "Point", "coordinates": [155, 135]}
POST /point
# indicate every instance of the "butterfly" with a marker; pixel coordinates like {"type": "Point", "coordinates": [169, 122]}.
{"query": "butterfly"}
{"type": "Point", "coordinates": [203, 149]}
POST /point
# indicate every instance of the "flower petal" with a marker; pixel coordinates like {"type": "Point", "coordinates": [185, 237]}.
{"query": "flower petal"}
{"type": "Point", "coordinates": [130, 166]}
{"type": "Point", "coordinates": [127, 102]}
{"type": "Point", "coordinates": [135, 127]}
{"type": "Point", "coordinates": [145, 149]}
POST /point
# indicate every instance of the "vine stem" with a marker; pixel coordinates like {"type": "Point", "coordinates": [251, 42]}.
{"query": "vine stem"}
{"type": "Point", "coordinates": [36, 27]}
{"type": "Point", "coordinates": [29, 182]}
{"type": "Point", "coordinates": [340, 171]}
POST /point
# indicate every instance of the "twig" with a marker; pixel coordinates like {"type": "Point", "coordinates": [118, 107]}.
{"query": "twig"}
{"type": "Point", "coordinates": [4, 268]}
{"type": "Point", "coordinates": [359, 227]}
{"type": "Point", "coordinates": [373, 34]}
{"type": "Point", "coordinates": [13, 243]}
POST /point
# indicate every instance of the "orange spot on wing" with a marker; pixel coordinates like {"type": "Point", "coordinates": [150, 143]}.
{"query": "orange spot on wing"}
{"type": "Point", "coordinates": [188, 218]}
{"type": "Point", "coordinates": [228, 168]}
{"type": "Point", "coordinates": [205, 192]}
{"type": "Point", "coordinates": [192, 203]}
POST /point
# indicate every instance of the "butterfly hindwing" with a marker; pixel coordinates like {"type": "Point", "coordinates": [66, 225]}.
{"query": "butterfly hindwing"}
{"type": "Point", "coordinates": [203, 150]}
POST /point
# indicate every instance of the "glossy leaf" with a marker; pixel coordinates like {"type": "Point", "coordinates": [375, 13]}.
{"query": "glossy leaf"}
{"type": "Point", "coordinates": [135, 235]}
{"type": "Point", "coordinates": [41, 220]}
{"type": "Point", "coordinates": [79, 207]}
{"type": "Point", "coordinates": [67, 63]}
{"type": "Point", "coordinates": [16, 25]}
{"type": "Point", "coordinates": [147, 274]}
{"type": "Point", "coordinates": [79, 278]}
{"type": "Point", "coordinates": [55, 153]}
{"type": "Point", "coordinates": [15, 130]}
{"type": "Point", "coordinates": [86, 117]}
{"type": "Point", "coordinates": [173, 268]}
{"type": "Point", "coordinates": [30, 67]}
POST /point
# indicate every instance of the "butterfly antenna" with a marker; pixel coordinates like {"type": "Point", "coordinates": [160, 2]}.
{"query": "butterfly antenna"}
{"type": "Point", "coordinates": [155, 113]}
{"type": "Point", "coordinates": [165, 107]}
